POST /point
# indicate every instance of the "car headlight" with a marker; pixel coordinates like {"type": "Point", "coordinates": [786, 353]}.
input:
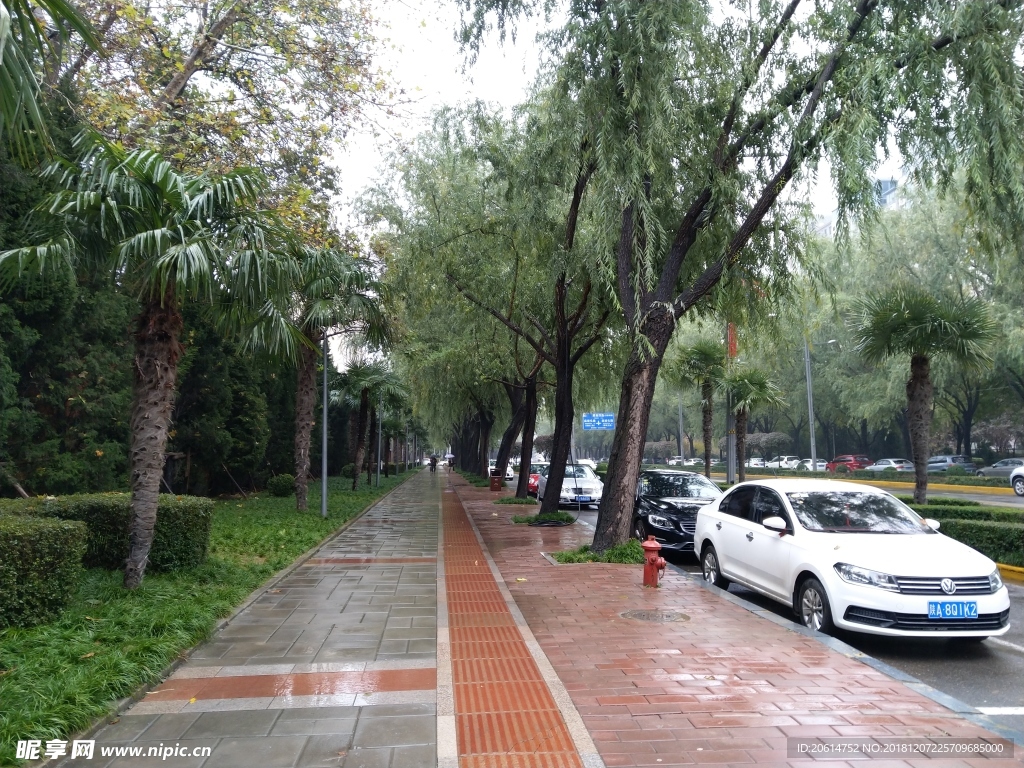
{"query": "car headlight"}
{"type": "Point", "coordinates": [995, 583]}
{"type": "Point", "coordinates": [659, 521]}
{"type": "Point", "coordinates": [864, 577]}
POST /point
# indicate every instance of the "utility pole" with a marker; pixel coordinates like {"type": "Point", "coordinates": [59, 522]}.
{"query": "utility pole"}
{"type": "Point", "coordinates": [323, 441]}
{"type": "Point", "coordinates": [380, 409]}
{"type": "Point", "coordinates": [810, 406]}
{"type": "Point", "coordinates": [682, 437]}
{"type": "Point", "coordinates": [730, 417]}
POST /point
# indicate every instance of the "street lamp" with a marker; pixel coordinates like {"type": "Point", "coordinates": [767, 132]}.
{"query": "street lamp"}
{"type": "Point", "coordinates": [810, 405]}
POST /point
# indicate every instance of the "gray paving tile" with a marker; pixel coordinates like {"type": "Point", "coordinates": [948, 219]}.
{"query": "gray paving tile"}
{"type": "Point", "coordinates": [413, 757]}
{"type": "Point", "coordinates": [245, 723]}
{"type": "Point", "coordinates": [266, 752]}
{"type": "Point", "coordinates": [167, 727]}
{"type": "Point", "coordinates": [330, 726]}
{"type": "Point", "coordinates": [127, 727]}
{"type": "Point", "coordinates": [367, 758]}
{"type": "Point", "coordinates": [325, 750]}
{"type": "Point", "coordinates": [395, 731]}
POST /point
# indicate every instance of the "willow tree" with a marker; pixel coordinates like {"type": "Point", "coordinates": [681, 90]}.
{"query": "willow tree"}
{"type": "Point", "coordinates": [167, 238]}
{"type": "Point", "coordinates": [697, 117]}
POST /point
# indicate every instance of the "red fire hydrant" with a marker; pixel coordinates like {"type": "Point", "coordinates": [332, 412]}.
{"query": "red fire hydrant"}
{"type": "Point", "coordinates": [653, 564]}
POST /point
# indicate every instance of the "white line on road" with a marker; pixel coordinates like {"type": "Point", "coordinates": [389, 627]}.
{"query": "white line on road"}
{"type": "Point", "coordinates": [1001, 710]}
{"type": "Point", "coordinates": [1007, 644]}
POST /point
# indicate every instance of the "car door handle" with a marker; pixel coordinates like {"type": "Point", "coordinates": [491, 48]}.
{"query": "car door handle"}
{"type": "Point", "coordinates": [750, 536]}
{"type": "Point", "coordinates": [718, 526]}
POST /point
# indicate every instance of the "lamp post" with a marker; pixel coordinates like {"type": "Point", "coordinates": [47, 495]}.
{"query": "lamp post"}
{"type": "Point", "coordinates": [323, 441]}
{"type": "Point", "coordinates": [810, 405]}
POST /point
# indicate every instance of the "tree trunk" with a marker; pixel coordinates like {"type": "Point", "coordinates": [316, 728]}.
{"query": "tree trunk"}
{"type": "Point", "coordinates": [561, 439]}
{"type": "Point", "coordinates": [919, 422]}
{"type": "Point", "coordinates": [638, 379]}
{"type": "Point", "coordinates": [486, 424]}
{"type": "Point", "coordinates": [387, 456]}
{"type": "Point", "coordinates": [508, 437]}
{"type": "Point", "coordinates": [305, 420]}
{"type": "Point", "coordinates": [364, 417]}
{"type": "Point", "coordinates": [707, 406]}
{"type": "Point", "coordinates": [741, 444]}
{"type": "Point", "coordinates": [372, 442]}
{"type": "Point", "coordinates": [529, 426]}
{"type": "Point", "coordinates": [157, 352]}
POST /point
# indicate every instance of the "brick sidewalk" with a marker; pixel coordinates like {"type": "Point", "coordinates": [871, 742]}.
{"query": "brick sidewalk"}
{"type": "Point", "coordinates": [722, 687]}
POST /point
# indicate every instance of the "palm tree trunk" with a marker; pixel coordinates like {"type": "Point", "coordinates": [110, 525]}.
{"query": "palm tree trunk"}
{"type": "Point", "coordinates": [157, 352]}
{"type": "Point", "coordinates": [364, 416]}
{"type": "Point", "coordinates": [741, 444]}
{"type": "Point", "coordinates": [305, 419]}
{"type": "Point", "coordinates": [707, 390]}
{"type": "Point", "coordinates": [372, 442]}
{"type": "Point", "coordinates": [919, 422]}
{"type": "Point", "coordinates": [387, 455]}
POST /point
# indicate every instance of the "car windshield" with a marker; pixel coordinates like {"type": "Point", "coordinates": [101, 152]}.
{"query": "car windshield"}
{"type": "Point", "coordinates": [579, 472]}
{"type": "Point", "coordinates": [854, 512]}
{"type": "Point", "coordinates": [679, 486]}
{"type": "Point", "coordinates": [538, 469]}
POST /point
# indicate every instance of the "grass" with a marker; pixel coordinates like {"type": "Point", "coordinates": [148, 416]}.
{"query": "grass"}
{"type": "Point", "coordinates": [545, 517]}
{"type": "Point", "coordinates": [515, 500]}
{"type": "Point", "coordinates": [630, 553]}
{"type": "Point", "coordinates": [57, 678]}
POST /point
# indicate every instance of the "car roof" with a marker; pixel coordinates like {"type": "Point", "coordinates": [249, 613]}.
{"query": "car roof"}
{"type": "Point", "coordinates": [793, 484]}
{"type": "Point", "coordinates": [671, 472]}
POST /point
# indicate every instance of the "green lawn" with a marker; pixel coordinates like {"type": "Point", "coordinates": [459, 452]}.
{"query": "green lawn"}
{"type": "Point", "coordinates": [56, 678]}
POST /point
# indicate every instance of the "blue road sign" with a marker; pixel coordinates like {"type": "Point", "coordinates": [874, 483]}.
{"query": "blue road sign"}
{"type": "Point", "coordinates": [599, 421]}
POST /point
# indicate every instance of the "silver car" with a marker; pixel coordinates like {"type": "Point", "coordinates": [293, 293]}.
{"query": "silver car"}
{"type": "Point", "coordinates": [1001, 468]}
{"type": "Point", "coordinates": [900, 465]}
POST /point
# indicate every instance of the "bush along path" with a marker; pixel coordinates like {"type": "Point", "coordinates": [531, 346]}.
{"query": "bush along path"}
{"type": "Point", "coordinates": [57, 678]}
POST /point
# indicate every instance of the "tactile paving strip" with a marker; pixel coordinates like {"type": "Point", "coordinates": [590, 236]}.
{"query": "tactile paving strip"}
{"type": "Point", "coordinates": [505, 716]}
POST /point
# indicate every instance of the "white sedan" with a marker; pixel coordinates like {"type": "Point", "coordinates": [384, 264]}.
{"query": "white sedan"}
{"type": "Point", "coordinates": [580, 486]}
{"type": "Point", "coordinates": [850, 556]}
{"type": "Point", "coordinates": [783, 462]}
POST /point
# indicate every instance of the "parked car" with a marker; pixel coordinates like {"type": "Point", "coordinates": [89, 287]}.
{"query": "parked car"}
{"type": "Point", "coordinates": [588, 463]}
{"type": "Point", "coordinates": [537, 469]}
{"type": "Point", "coordinates": [1002, 468]}
{"type": "Point", "coordinates": [1017, 481]}
{"type": "Point", "coordinates": [696, 461]}
{"type": "Point", "coordinates": [580, 486]}
{"type": "Point", "coordinates": [492, 464]}
{"type": "Point", "coordinates": [666, 506]}
{"type": "Point", "coordinates": [783, 462]}
{"type": "Point", "coordinates": [849, 462]}
{"type": "Point", "coordinates": [943, 463]}
{"type": "Point", "coordinates": [755, 463]}
{"type": "Point", "coordinates": [850, 556]}
{"type": "Point", "coordinates": [900, 465]}
{"type": "Point", "coordinates": [805, 466]}
{"type": "Point", "coordinates": [675, 461]}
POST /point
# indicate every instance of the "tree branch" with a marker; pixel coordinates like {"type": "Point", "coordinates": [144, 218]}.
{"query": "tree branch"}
{"type": "Point", "coordinates": [507, 322]}
{"type": "Point", "coordinates": [586, 345]}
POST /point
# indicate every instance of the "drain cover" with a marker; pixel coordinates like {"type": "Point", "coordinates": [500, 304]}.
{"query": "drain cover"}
{"type": "Point", "coordinates": [659, 616]}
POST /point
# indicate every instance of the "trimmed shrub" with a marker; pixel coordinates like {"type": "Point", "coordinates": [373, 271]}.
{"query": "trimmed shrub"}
{"type": "Point", "coordinates": [956, 472]}
{"type": "Point", "coordinates": [349, 471]}
{"type": "Point", "coordinates": [514, 500]}
{"type": "Point", "coordinates": [941, 502]}
{"type": "Point", "coordinates": [1003, 542]}
{"type": "Point", "coordinates": [996, 514]}
{"type": "Point", "coordinates": [181, 538]}
{"type": "Point", "coordinates": [281, 485]}
{"type": "Point", "coordinates": [40, 567]}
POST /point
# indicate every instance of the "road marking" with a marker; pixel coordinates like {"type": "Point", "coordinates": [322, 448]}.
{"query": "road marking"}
{"type": "Point", "coordinates": [1007, 643]}
{"type": "Point", "coordinates": [1001, 710]}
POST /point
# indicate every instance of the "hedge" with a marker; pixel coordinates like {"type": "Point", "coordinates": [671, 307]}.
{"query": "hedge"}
{"type": "Point", "coordinates": [888, 477]}
{"type": "Point", "coordinates": [995, 514]}
{"type": "Point", "coordinates": [941, 502]}
{"type": "Point", "coordinates": [40, 567]}
{"type": "Point", "coordinates": [181, 538]}
{"type": "Point", "coordinates": [1002, 542]}
{"type": "Point", "coordinates": [281, 485]}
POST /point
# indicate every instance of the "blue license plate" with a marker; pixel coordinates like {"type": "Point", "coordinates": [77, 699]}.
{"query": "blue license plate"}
{"type": "Point", "coordinates": [582, 498]}
{"type": "Point", "coordinates": [957, 610]}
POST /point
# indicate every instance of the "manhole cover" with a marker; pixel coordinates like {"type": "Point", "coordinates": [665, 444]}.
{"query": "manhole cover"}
{"type": "Point", "coordinates": [660, 616]}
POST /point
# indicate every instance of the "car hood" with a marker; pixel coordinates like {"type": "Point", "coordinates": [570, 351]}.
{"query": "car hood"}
{"type": "Point", "coordinates": [677, 503]}
{"type": "Point", "coordinates": [904, 554]}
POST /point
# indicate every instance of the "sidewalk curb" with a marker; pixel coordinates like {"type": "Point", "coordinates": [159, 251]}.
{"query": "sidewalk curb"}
{"type": "Point", "coordinates": [123, 705]}
{"type": "Point", "coordinates": [1011, 573]}
{"type": "Point", "coordinates": [949, 702]}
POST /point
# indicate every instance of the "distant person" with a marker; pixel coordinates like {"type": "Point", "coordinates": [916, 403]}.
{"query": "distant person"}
{"type": "Point", "coordinates": [433, 463]}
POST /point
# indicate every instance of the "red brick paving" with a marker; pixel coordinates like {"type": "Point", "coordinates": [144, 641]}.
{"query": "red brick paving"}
{"type": "Point", "coordinates": [724, 688]}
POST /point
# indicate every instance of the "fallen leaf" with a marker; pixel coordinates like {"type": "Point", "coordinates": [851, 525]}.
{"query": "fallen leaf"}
{"type": "Point", "coordinates": [88, 655]}
{"type": "Point", "coordinates": [90, 618]}
{"type": "Point", "coordinates": [520, 579]}
{"type": "Point", "coordinates": [192, 700]}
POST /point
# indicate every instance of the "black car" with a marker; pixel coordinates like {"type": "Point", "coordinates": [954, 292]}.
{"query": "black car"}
{"type": "Point", "coordinates": [666, 506]}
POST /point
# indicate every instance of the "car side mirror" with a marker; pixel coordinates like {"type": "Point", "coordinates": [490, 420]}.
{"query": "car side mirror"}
{"type": "Point", "coordinates": [932, 523]}
{"type": "Point", "coordinates": [775, 523]}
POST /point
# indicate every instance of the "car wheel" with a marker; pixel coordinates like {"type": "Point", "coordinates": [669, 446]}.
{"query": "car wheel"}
{"type": "Point", "coordinates": [813, 607]}
{"type": "Point", "coordinates": [979, 473]}
{"type": "Point", "coordinates": [640, 530]}
{"type": "Point", "coordinates": [1018, 485]}
{"type": "Point", "coordinates": [710, 569]}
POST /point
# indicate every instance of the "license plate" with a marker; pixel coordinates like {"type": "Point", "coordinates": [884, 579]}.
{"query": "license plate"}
{"type": "Point", "coordinates": [582, 498]}
{"type": "Point", "coordinates": [958, 610]}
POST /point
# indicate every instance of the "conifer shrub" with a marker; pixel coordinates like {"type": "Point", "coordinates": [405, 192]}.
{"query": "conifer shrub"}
{"type": "Point", "coordinates": [281, 485]}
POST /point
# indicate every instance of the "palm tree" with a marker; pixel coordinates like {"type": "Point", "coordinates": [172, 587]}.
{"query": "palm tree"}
{"type": "Point", "coordinates": [703, 365]}
{"type": "Point", "coordinates": [24, 38]}
{"type": "Point", "coordinates": [167, 237]}
{"type": "Point", "coordinates": [335, 294]}
{"type": "Point", "coordinates": [748, 389]}
{"type": "Point", "coordinates": [375, 383]}
{"type": "Point", "coordinates": [908, 321]}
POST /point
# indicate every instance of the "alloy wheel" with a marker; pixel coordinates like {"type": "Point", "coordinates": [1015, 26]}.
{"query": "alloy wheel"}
{"type": "Point", "coordinates": [812, 610]}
